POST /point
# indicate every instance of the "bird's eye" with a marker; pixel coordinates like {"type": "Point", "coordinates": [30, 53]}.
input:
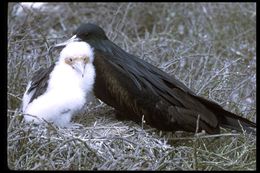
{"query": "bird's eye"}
{"type": "Point", "coordinates": [70, 59]}
{"type": "Point", "coordinates": [85, 59]}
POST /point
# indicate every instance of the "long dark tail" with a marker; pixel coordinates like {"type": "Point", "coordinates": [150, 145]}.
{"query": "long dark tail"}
{"type": "Point", "coordinates": [228, 119]}
{"type": "Point", "coordinates": [233, 121]}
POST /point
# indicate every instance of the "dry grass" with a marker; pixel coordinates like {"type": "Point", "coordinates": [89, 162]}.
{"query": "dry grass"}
{"type": "Point", "coordinates": [209, 47]}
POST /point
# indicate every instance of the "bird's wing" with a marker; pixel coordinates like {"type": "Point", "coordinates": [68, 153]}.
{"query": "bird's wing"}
{"type": "Point", "coordinates": [148, 77]}
{"type": "Point", "coordinates": [39, 82]}
{"type": "Point", "coordinates": [186, 104]}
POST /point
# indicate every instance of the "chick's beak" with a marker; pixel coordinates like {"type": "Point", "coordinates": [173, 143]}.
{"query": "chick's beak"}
{"type": "Point", "coordinates": [61, 45]}
{"type": "Point", "coordinates": [79, 66]}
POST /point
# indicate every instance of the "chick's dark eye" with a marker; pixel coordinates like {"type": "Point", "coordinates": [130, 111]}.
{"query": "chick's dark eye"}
{"type": "Point", "coordinates": [70, 59]}
{"type": "Point", "coordinates": [86, 59]}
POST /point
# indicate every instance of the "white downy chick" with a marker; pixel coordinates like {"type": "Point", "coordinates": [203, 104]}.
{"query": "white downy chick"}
{"type": "Point", "coordinates": [68, 85]}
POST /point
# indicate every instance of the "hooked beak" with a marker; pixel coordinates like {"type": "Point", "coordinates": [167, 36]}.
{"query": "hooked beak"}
{"type": "Point", "coordinates": [61, 45]}
{"type": "Point", "coordinates": [79, 66]}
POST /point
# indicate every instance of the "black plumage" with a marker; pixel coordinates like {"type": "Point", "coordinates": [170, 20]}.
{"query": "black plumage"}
{"type": "Point", "coordinates": [39, 82]}
{"type": "Point", "coordinates": [136, 88]}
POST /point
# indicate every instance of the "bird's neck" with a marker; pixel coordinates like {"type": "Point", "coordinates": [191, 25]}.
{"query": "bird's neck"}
{"type": "Point", "coordinates": [64, 77]}
{"type": "Point", "coordinates": [99, 45]}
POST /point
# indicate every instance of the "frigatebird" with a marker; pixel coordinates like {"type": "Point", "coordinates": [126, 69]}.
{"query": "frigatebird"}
{"type": "Point", "coordinates": [57, 92]}
{"type": "Point", "coordinates": [137, 89]}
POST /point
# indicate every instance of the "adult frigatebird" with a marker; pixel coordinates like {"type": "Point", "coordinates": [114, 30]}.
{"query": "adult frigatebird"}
{"type": "Point", "coordinates": [138, 89]}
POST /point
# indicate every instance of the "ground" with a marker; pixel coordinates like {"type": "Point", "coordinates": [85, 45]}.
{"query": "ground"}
{"type": "Point", "coordinates": [211, 47]}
